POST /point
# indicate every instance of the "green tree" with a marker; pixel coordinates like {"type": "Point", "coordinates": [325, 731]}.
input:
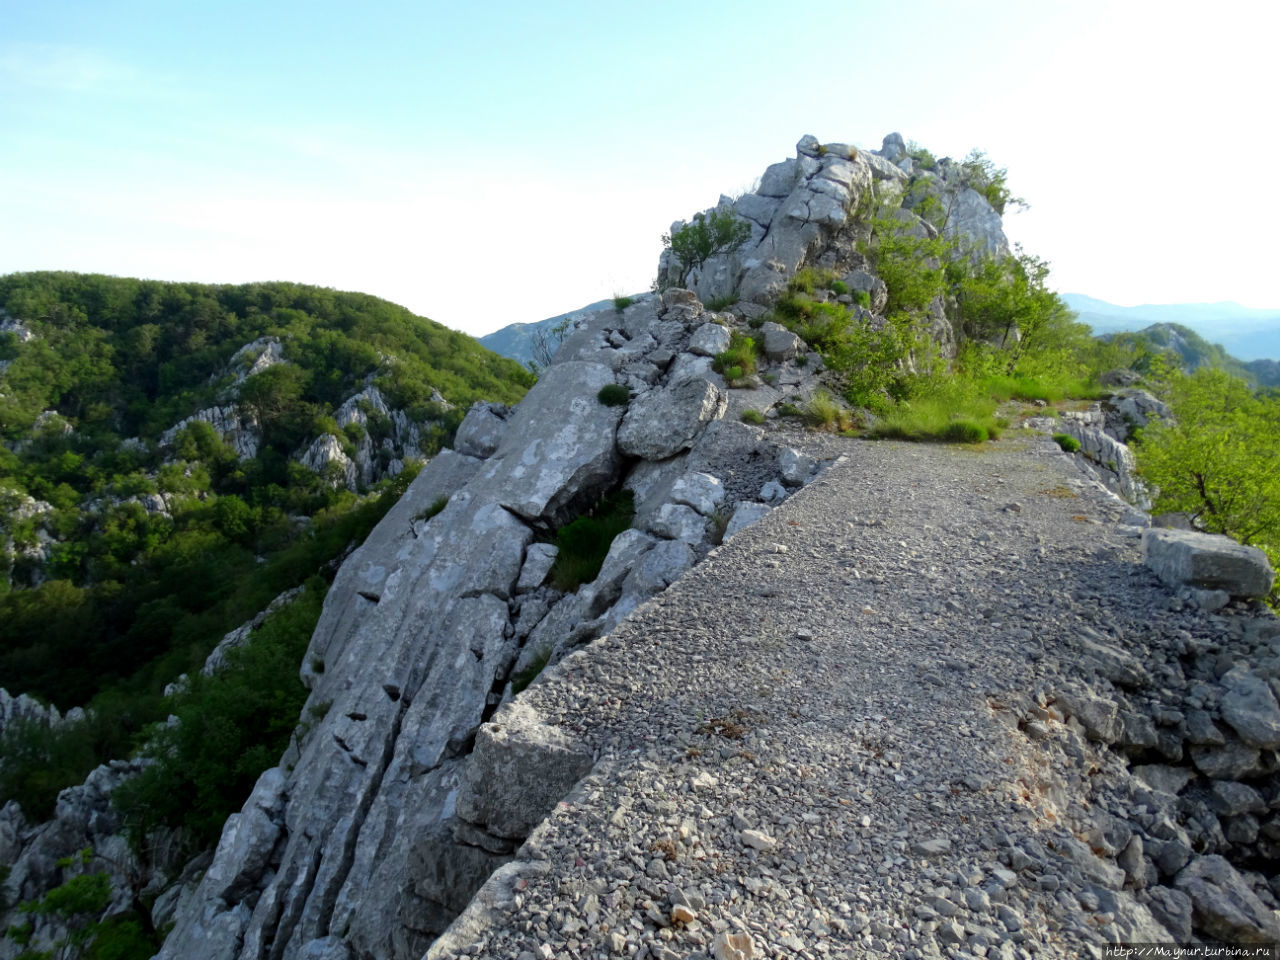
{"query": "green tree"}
{"type": "Point", "coordinates": [706, 236]}
{"type": "Point", "coordinates": [1219, 458]}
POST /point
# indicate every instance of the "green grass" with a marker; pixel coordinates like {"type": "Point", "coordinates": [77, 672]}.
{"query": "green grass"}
{"type": "Point", "coordinates": [825, 412]}
{"type": "Point", "coordinates": [716, 304]}
{"type": "Point", "coordinates": [621, 303]}
{"type": "Point", "coordinates": [1049, 389]}
{"type": "Point", "coordinates": [585, 542]}
{"type": "Point", "coordinates": [1067, 442]}
{"type": "Point", "coordinates": [739, 360]}
{"type": "Point", "coordinates": [945, 411]}
{"type": "Point", "coordinates": [752, 416]}
{"type": "Point", "coordinates": [520, 681]}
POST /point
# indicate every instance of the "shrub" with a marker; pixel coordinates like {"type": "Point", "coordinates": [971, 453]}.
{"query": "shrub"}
{"type": "Point", "coordinates": [706, 236]}
{"type": "Point", "coordinates": [752, 416]}
{"type": "Point", "coordinates": [1067, 442]}
{"type": "Point", "coordinates": [614, 395]}
{"type": "Point", "coordinates": [584, 542]}
{"type": "Point", "coordinates": [621, 303]}
{"type": "Point", "coordinates": [231, 726]}
{"type": "Point", "coordinates": [839, 287]}
{"type": "Point", "coordinates": [862, 298]}
{"type": "Point", "coordinates": [964, 431]}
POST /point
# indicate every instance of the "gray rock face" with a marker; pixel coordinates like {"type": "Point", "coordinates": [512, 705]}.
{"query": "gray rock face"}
{"type": "Point", "coordinates": [976, 225]}
{"type": "Point", "coordinates": [1207, 561]}
{"type": "Point", "coordinates": [238, 429]}
{"type": "Point", "coordinates": [482, 429]}
{"type": "Point", "coordinates": [519, 770]}
{"type": "Point", "coordinates": [661, 423]}
{"type": "Point", "coordinates": [542, 474]}
{"type": "Point", "coordinates": [326, 457]}
{"type": "Point", "coordinates": [1224, 906]}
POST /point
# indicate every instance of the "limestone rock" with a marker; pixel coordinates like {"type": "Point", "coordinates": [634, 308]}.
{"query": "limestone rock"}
{"type": "Point", "coordinates": [538, 561]}
{"type": "Point", "coordinates": [1225, 908]}
{"type": "Point", "coordinates": [893, 148]}
{"type": "Point", "coordinates": [746, 513]}
{"type": "Point", "coordinates": [237, 428]}
{"type": "Point", "coordinates": [326, 457]}
{"type": "Point", "coordinates": [779, 342]}
{"type": "Point", "coordinates": [701, 491]}
{"type": "Point", "coordinates": [795, 467]}
{"type": "Point", "coordinates": [661, 423]}
{"type": "Point", "coordinates": [976, 225]}
{"type": "Point", "coordinates": [709, 340]}
{"type": "Point", "coordinates": [1207, 561]}
{"type": "Point", "coordinates": [543, 474]}
{"type": "Point", "coordinates": [679, 522]}
{"type": "Point", "coordinates": [248, 839]}
{"type": "Point", "coordinates": [1250, 708]}
{"type": "Point", "coordinates": [482, 429]}
{"type": "Point", "coordinates": [518, 771]}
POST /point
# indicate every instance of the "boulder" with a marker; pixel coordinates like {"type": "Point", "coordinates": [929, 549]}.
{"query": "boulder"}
{"type": "Point", "coordinates": [1223, 905]}
{"type": "Point", "coordinates": [795, 467]}
{"type": "Point", "coordinates": [1250, 708]}
{"type": "Point", "coordinates": [558, 449]}
{"type": "Point", "coordinates": [779, 180]}
{"type": "Point", "coordinates": [701, 491]}
{"type": "Point", "coordinates": [661, 423]}
{"type": "Point", "coordinates": [709, 340]}
{"type": "Point", "coordinates": [779, 343]}
{"type": "Point", "coordinates": [518, 771]}
{"type": "Point", "coordinates": [482, 429]}
{"type": "Point", "coordinates": [1184, 558]}
{"type": "Point", "coordinates": [538, 561]}
{"type": "Point", "coordinates": [675, 521]}
{"type": "Point", "coordinates": [746, 513]}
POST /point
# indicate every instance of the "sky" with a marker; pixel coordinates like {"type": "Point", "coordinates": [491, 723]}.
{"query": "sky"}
{"type": "Point", "coordinates": [501, 162]}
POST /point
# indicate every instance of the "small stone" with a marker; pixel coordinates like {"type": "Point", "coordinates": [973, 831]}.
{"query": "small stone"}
{"type": "Point", "coordinates": [733, 946]}
{"type": "Point", "coordinates": [758, 840]}
{"type": "Point", "coordinates": [936, 847]}
{"type": "Point", "coordinates": [682, 914]}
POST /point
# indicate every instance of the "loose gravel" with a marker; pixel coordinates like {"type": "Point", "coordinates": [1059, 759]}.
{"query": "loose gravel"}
{"type": "Point", "coordinates": [808, 746]}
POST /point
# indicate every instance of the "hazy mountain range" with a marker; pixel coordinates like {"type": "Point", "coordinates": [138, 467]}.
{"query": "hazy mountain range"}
{"type": "Point", "coordinates": [1246, 333]}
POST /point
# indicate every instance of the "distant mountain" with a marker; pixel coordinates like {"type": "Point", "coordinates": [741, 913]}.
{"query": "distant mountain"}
{"type": "Point", "coordinates": [1194, 352]}
{"type": "Point", "coordinates": [517, 340]}
{"type": "Point", "coordinates": [1244, 332]}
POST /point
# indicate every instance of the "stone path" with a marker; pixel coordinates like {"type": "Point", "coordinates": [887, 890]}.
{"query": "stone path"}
{"type": "Point", "coordinates": [837, 736]}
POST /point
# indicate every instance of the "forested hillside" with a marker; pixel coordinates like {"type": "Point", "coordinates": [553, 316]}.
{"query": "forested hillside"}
{"type": "Point", "coordinates": [175, 455]}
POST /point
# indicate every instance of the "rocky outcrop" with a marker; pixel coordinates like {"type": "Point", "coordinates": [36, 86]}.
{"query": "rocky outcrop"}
{"type": "Point", "coordinates": [238, 429]}
{"type": "Point", "coordinates": [396, 800]}
{"type": "Point", "coordinates": [1203, 561]}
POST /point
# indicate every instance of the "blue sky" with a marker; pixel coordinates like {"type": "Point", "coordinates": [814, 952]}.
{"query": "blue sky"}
{"type": "Point", "coordinates": [491, 163]}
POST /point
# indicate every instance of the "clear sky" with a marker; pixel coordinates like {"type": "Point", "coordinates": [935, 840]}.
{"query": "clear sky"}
{"type": "Point", "coordinates": [487, 163]}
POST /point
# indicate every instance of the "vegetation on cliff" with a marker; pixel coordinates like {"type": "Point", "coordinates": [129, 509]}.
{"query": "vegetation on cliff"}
{"type": "Point", "coordinates": [128, 553]}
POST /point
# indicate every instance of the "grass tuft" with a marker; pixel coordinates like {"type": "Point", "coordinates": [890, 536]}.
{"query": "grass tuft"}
{"type": "Point", "coordinates": [585, 542]}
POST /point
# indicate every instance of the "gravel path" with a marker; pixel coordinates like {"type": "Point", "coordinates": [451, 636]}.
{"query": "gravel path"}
{"type": "Point", "coordinates": [816, 745]}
